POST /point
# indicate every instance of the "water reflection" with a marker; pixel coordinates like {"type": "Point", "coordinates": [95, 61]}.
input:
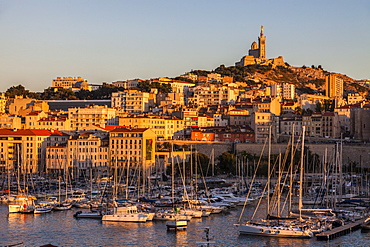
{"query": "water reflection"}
{"type": "Point", "coordinates": [62, 229]}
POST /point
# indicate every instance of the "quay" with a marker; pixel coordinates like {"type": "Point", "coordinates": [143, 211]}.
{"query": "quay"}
{"type": "Point", "coordinates": [340, 231]}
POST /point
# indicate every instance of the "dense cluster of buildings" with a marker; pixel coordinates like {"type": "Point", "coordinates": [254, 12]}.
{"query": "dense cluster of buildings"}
{"type": "Point", "coordinates": [47, 136]}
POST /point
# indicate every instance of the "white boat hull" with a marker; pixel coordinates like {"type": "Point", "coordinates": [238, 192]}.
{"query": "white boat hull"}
{"type": "Point", "coordinates": [42, 210]}
{"type": "Point", "coordinates": [126, 217]}
{"type": "Point", "coordinates": [274, 231]}
{"type": "Point", "coordinates": [126, 214]}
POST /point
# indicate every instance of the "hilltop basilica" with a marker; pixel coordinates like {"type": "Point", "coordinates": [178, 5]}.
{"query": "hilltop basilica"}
{"type": "Point", "coordinates": [257, 54]}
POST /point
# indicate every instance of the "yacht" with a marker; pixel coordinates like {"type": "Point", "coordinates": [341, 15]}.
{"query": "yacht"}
{"type": "Point", "coordinates": [126, 214]}
{"type": "Point", "coordinates": [22, 204]}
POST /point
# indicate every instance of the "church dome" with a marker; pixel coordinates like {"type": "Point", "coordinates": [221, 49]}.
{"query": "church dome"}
{"type": "Point", "coordinates": [254, 45]}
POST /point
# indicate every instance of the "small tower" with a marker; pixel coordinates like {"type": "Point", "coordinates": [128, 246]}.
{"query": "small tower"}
{"type": "Point", "coordinates": [262, 44]}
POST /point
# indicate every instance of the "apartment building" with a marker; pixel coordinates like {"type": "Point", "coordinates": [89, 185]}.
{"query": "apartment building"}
{"type": "Point", "coordinates": [260, 123]}
{"type": "Point", "coordinates": [66, 82]}
{"type": "Point", "coordinates": [16, 105]}
{"type": "Point", "coordinates": [198, 121]}
{"type": "Point", "coordinates": [288, 91]}
{"type": "Point", "coordinates": [132, 147]}
{"type": "Point", "coordinates": [291, 124]}
{"type": "Point", "coordinates": [334, 86]}
{"type": "Point", "coordinates": [210, 94]}
{"type": "Point", "coordinates": [344, 116]}
{"type": "Point", "coordinates": [163, 99]}
{"type": "Point", "coordinates": [224, 134]}
{"type": "Point", "coordinates": [82, 118]}
{"type": "Point", "coordinates": [84, 155]}
{"type": "Point", "coordinates": [131, 101]}
{"type": "Point", "coordinates": [310, 101]}
{"type": "Point", "coordinates": [24, 150]}
{"type": "Point", "coordinates": [202, 135]}
{"type": "Point", "coordinates": [8, 121]}
{"type": "Point", "coordinates": [163, 126]}
{"type": "Point", "coordinates": [54, 123]}
{"type": "Point", "coordinates": [237, 117]}
{"type": "Point", "coordinates": [176, 85]}
{"type": "Point", "coordinates": [2, 103]}
{"type": "Point", "coordinates": [330, 125]}
{"type": "Point", "coordinates": [271, 105]}
{"type": "Point", "coordinates": [322, 124]}
{"type": "Point", "coordinates": [219, 120]}
{"type": "Point", "coordinates": [354, 98]}
{"type": "Point", "coordinates": [360, 122]}
{"type": "Point", "coordinates": [31, 119]}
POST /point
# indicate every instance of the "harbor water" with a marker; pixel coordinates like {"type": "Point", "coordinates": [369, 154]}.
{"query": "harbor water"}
{"type": "Point", "coordinates": [62, 229]}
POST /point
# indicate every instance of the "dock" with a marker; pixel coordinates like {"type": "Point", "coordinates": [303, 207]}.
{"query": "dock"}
{"type": "Point", "coordinates": [340, 231]}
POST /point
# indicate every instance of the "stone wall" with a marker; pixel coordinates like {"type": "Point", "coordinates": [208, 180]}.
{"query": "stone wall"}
{"type": "Point", "coordinates": [359, 154]}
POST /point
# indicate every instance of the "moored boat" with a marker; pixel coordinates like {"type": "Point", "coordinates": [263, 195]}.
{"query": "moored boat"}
{"type": "Point", "coordinates": [62, 206]}
{"type": "Point", "coordinates": [365, 227]}
{"type": "Point", "coordinates": [22, 204]}
{"type": "Point", "coordinates": [176, 224]}
{"type": "Point", "coordinates": [42, 209]}
{"type": "Point", "coordinates": [89, 215]}
{"type": "Point", "coordinates": [126, 214]}
{"type": "Point", "coordinates": [275, 231]}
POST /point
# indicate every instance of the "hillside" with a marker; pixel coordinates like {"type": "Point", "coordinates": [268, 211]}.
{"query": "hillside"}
{"type": "Point", "coordinates": [268, 75]}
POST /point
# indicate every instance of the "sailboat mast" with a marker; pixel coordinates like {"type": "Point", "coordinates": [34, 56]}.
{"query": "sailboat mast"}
{"type": "Point", "coordinates": [301, 175]}
{"type": "Point", "coordinates": [8, 165]}
{"type": "Point", "coordinates": [269, 173]}
{"type": "Point", "coordinates": [291, 172]}
{"type": "Point", "coordinates": [213, 162]}
{"type": "Point", "coordinates": [278, 186]}
{"type": "Point", "coordinates": [127, 176]}
{"type": "Point", "coordinates": [172, 175]}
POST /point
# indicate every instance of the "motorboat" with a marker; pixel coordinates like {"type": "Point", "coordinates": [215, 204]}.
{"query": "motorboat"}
{"type": "Point", "coordinates": [165, 215]}
{"type": "Point", "coordinates": [62, 206]}
{"type": "Point", "coordinates": [89, 215]}
{"type": "Point", "coordinates": [42, 209]}
{"type": "Point", "coordinates": [126, 214]}
{"type": "Point", "coordinates": [176, 224]}
{"type": "Point", "coordinates": [22, 204]}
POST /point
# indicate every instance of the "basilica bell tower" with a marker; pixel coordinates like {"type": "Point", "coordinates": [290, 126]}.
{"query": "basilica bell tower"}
{"type": "Point", "coordinates": [262, 44]}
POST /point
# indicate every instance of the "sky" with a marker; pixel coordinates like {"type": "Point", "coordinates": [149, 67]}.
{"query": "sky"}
{"type": "Point", "coordinates": [106, 41]}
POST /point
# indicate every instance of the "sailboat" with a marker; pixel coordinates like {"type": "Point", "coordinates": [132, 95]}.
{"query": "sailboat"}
{"type": "Point", "coordinates": [277, 228]}
{"type": "Point", "coordinates": [62, 206]}
{"type": "Point", "coordinates": [127, 213]}
{"type": "Point", "coordinates": [175, 224]}
{"type": "Point", "coordinates": [22, 202]}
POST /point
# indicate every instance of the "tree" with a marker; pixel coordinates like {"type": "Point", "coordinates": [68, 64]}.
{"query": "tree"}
{"type": "Point", "coordinates": [144, 86]}
{"type": "Point", "coordinates": [179, 78]}
{"type": "Point", "coordinates": [58, 94]}
{"type": "Point", "coordinates": [318, 107]}
{"type": "Point", "coordinates": [299, 110]}
{"type": "Point", "coordinates": [20, 91]}
{"type": "Point", "coordinates": [202, 161]}
{"type": "Point", "coordinates": [227, 162]}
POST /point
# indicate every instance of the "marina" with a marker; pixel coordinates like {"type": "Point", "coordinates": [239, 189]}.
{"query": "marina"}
{"type": "Point", "coordinates": [285, 203]}
{"type": "Point", "coordinates": [60, 228]}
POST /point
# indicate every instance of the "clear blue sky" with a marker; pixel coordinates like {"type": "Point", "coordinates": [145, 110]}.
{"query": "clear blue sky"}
{"type": "Point", "coordinates": [105, 41]}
